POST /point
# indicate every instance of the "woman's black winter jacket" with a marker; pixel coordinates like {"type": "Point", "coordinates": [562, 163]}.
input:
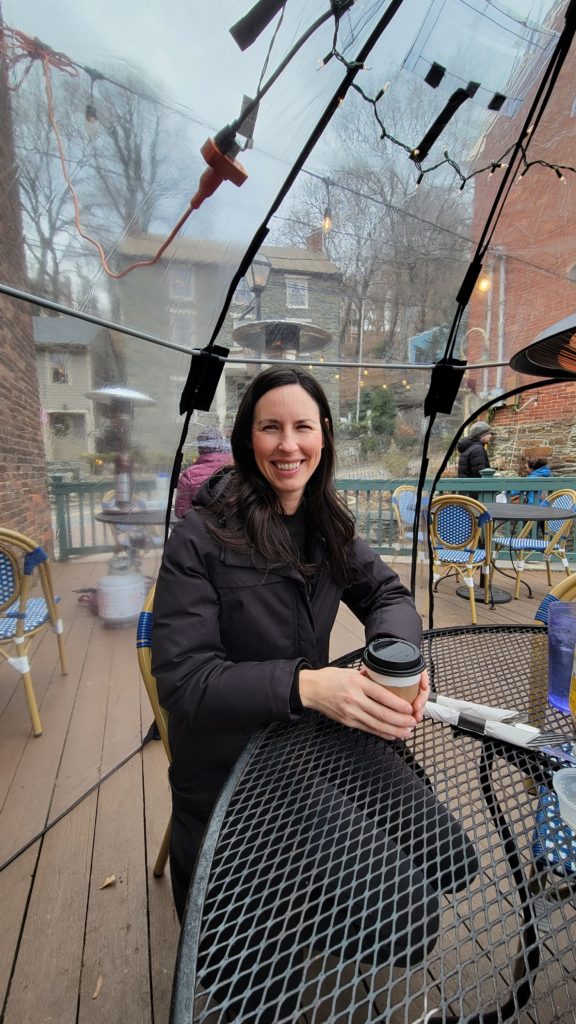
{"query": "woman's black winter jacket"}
{"type": "Point", "coordinates": [230, 633]}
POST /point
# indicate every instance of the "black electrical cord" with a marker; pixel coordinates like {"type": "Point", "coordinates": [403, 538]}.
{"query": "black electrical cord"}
{"type": "Point", "coordinates": [50, 824]}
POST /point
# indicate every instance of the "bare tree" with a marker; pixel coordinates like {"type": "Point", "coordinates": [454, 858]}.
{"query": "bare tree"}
{"type": "Point", "coordinates": [120, 180]}
{"type": "Point", "coordinates": [403, 249]}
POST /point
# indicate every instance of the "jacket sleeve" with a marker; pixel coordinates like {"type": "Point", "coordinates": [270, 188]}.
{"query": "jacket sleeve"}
{"type": "Point", "coordinates": [193, 673]}
{"type": "Point", "coordinates": [381, 602]}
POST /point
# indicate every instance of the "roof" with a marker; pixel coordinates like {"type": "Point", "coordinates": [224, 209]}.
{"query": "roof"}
{"type": "Point", "coordinates": [64, 331]}
{"type": "Point", "coordinates": [298, 260]}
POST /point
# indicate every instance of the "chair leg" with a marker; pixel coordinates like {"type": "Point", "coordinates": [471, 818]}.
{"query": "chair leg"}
{"type": "Point", "coordinates": [549, 574]}
{"type": "Point", "coordinates": [486, 582]}
{"type": "Point", "coordinates": [519, 571]}
{"type": "Point", "coordinates": [163, 852]}
{"type": "Point", "coordinates": [470, 584]}
{"type": "Point", "coordinates": [62, 654]}
{"type": "Point", "coordinates": [32, 705]}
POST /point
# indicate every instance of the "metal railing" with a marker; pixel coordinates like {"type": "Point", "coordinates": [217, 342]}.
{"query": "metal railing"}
{"type": "Point", "coordinates": [76, 504]}
{"type": "Point", "coordinates": [371, 501]}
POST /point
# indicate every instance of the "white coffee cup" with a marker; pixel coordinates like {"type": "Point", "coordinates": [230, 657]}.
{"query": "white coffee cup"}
{"type": "Point", "coordinates": [396, 664]}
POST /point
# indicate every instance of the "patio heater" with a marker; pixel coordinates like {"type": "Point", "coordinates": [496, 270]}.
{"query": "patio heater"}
{"type": "Point", "coordinates": [121, 593]}
{"type": "Point", "coordinates": [281, 339]}
{"type": "Point", "coordinates": [551, 354]}
{"type": "Point", "coordinates": [119, 402]}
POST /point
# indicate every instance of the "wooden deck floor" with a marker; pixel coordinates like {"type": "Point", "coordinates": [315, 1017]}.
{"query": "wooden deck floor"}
{"type": "Point", "coordinates": [86, 801]}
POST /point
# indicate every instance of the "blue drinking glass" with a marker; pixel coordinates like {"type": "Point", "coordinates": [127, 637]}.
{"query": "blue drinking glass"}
{"type": "Point", "coordinates": [561, 643]}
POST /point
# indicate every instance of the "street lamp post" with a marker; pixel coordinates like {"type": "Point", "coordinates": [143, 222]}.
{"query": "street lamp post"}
{"type": "Point", "coordinates": [257, 279]}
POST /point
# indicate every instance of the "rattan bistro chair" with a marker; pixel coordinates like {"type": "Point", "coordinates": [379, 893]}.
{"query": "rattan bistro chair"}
{"type": "Point", "coordinates": [404, 509]}
{"type": "Point", "coordinates": [461, 538]}
{"type": "Point", "coordinates": [552, 545]}
{"type": "Point", "coordinates": [403, 502]}
{"type": "Point", "coordinates": [144, 652]}
{"type": "Point", "coordinates": [22, 616]}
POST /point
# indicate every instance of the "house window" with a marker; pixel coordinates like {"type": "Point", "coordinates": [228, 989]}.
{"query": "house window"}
{"type": "Point", "coordinates": [60, 373]}
{"type": "Point", "coordinates": [180, 282]}
{"type": "Point", "coordinates": [572, 273]}
{"type": "Point", "coordinates": [59, 424]}
{"type": "Point", "coordinates": [297, 292]}
{"type": "Point", "coordinates": [242, 295]}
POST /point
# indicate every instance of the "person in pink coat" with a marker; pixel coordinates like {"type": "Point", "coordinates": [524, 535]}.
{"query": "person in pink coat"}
{"type": "Point", "coordinates": [214, 451]}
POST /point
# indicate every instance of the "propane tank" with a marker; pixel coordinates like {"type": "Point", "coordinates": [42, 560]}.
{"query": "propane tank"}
{"type": "Point", "coordinates": [123, 481]}
{"type": "Point", "coordinates": [120, 594]}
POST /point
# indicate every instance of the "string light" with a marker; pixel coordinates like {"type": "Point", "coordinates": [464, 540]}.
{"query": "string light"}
{"type": "Point", "coordinates": [413, 152]}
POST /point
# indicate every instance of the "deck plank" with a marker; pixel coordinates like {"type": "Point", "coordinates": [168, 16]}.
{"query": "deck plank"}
{"type": "Point", "coordinates": [123, 719]}
{"type": "Point", "coordinates": [116, 942]}
{"type": "Point", "coordinates": [47, 975]}
{"type": "Point", "coordinates": [15, 885]}
{"type": "Point", "coordinates": [164, 927]}
{"type": "Point", "coordinates": [27, 803]}
{"type": "Point", "coordinates": [81, 762]}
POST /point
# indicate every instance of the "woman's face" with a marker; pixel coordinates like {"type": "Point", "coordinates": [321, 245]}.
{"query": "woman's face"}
{"type": "Point", "coordinates": [287, 441]}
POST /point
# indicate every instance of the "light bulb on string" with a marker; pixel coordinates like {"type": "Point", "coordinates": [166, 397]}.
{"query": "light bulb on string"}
{"type": "Point", "coordinates": [91, 115]}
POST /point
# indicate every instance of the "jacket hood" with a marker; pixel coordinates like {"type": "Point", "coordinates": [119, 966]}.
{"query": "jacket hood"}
{"type": "Point", "coordinates": [213, 487]}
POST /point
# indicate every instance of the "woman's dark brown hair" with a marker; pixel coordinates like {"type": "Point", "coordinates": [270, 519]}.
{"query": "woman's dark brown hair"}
{"type": "Point", "coordinates": [249, 498]}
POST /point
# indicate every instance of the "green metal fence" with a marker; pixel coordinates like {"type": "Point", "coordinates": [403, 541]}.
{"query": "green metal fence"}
{"type": "Point", "coordinates": [76, 504]}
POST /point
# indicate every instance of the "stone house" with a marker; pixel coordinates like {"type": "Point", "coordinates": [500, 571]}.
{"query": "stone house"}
{"type": "Point", "coordinates": [303, 287]}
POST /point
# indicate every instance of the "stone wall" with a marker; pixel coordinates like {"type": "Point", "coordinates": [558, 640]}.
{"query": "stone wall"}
{"type": "Point", "coordinates": [544, 418]}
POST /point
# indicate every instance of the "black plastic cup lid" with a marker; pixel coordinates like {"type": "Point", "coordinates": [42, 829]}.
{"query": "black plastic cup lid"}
{"type": "Point", "coordinates": [393, 657]}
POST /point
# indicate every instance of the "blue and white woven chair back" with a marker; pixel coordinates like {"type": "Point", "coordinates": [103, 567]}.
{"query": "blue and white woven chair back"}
{"type": "Point", "coordinates": [455, 526]}
{"type": "Point", "coordinates": [560, 501]}
{"type": "Point", "coordinates": [8, 580]}
{"type": "Point", "coordinates": [406, 504]}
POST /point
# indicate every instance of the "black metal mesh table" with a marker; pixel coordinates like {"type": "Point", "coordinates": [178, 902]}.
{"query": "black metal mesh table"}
{"type": "Point", "coordinates": [291, 915]}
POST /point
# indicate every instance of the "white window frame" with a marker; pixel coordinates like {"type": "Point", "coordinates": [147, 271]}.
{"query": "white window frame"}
{"type": "Point", "coordinates": [296, 281]}
{"type": "Point", "coordinates": [55, 362]}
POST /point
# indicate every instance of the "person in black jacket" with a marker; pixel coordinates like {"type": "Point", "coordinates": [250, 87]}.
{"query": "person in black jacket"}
{"type": "Point", "coordinates": [246, 597]}
{"type": "Point", "coordinates": [472, 450]}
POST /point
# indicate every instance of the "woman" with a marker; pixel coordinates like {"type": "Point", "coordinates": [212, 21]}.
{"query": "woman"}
{"type": "Point", "coordinates": [246, 598]}
{"type": "Point", "coordinates": [213, 452]}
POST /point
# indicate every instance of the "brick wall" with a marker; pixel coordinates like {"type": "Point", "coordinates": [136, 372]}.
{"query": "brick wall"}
{"type": "Point", "coordinates": [23, 486]}
{"type": "Point", "coordinates": [530, 268]}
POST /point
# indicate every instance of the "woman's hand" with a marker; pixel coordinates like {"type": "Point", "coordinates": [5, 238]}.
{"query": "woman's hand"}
{"type": "Point", "coordinates": [348, 696]}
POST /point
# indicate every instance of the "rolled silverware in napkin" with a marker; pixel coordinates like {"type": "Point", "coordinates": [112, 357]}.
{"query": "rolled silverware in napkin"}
{"type": "Point", "coordinates": [521, 735]}
{"type": "Point", "coordinates": [481, 710]}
